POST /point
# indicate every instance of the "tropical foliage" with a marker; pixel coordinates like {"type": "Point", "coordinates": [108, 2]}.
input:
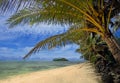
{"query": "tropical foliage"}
{"type": "Point", "coordinates": [92, 48]}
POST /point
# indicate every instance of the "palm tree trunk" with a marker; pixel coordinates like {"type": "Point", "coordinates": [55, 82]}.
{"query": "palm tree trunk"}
{"type": "Point", "coordinates": [113, 47]}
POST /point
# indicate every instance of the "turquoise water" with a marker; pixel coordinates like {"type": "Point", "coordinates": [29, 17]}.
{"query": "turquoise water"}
{"type": "Point", "coordinates": [11, 68]}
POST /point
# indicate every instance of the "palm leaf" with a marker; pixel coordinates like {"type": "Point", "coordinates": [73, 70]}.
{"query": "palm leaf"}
{"type": "Point", "coordinates": [40, 15]}
{"type": "Point", "coordinates": [47, 43]}
{"type": "Point", "coordinates": [15, 5]}
{"type": "Point", "coordinates": [69, 37]}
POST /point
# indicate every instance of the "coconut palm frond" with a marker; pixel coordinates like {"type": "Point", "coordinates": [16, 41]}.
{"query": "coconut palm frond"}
{"type": "Point", "coordinates": [74, 35]}
{"type": "Point", "coordinates": [15, 5]}
{"type": "Point", "coordinates": [47, 43]}
{"type": "Point", "coordinates": [61, 12]}
{"type": "Point", "coordinates": [71, 36]}
{"type": "Point", "coordinates": [37, 15]}
{"type": "Point", "coordinates": [58, 12]}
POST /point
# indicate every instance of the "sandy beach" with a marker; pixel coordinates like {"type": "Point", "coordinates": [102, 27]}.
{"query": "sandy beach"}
{"type": "Point", "coordinates": [80, 73]}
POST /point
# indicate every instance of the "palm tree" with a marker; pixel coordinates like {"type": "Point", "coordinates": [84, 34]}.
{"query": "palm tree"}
{"type": "Point", "coordinates": [85, 15]}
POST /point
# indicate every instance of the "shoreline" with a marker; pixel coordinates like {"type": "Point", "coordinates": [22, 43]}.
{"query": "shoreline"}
{"type": "Point", "coordinates": [78, 73]}
{"type": "Point", "coordinates": [13, 68]}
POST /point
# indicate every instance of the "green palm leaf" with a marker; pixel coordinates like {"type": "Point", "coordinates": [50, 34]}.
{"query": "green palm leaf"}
{"type": "Point", "coordinates": [69, 37]}
{"type": "Point", "coordinates": [47, 16]}
{"type": "Point", "coordinates": [15, 5]}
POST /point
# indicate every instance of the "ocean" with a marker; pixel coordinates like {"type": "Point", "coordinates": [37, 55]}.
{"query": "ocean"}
{"type": "Point", "coordinates": [12, 68]}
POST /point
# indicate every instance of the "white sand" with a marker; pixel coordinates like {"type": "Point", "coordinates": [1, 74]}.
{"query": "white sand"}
{"type": "Point", "coordinates": [80, 73]}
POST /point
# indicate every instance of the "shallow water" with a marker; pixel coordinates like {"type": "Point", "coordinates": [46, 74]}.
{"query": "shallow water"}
{"type": "Point", "coordinates": [11, 68]}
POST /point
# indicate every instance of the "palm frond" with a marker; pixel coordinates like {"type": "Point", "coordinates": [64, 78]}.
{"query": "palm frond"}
{"type": "Point", "coordinates": [57, 12]}
{"type": "Point", "coordinates": [47, 16]}
{"type": "Point", "coordinates": [71, 36]}
{"type": "Point", "coordinates": [88, 16]}
{"type": "Point", "coordinates": [47, 43]}
{"type": "Point", "coordinates": [15, 5]}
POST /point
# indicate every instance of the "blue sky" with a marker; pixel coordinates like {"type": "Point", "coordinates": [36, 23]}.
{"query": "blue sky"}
{"type": "Point", "coordinates": [16, 42]}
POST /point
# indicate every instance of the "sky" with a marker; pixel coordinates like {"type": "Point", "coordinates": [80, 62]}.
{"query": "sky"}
{"type": "Point", "coordinates": [18, 41]}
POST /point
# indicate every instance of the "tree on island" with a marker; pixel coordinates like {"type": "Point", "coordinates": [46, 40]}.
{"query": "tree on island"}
{"type": "Point", "coordinates": [60, 59]}
{"type": "Point", "coordinates": [93, 16]}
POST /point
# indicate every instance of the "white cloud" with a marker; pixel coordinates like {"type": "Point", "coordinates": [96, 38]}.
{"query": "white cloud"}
{"type": "Point", "coordinates": [43, 29]}
{"type": "Point", "coordinates": [27, 49]}
{"type": "Point", "coordinates": [68, 52]}
{"type": "Point", "coordinates": [13, 52]}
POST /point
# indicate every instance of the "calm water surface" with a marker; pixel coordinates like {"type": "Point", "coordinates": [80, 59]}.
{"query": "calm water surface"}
{"type": "Point", "coordinates": [11, 68]}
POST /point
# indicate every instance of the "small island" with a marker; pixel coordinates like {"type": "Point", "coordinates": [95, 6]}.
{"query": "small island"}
{"type": "Point", "coordinates": [60, 59]}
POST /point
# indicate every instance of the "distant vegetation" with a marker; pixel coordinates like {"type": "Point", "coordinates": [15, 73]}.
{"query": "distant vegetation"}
{"type": "Point", "coordinates": [60, 59]}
